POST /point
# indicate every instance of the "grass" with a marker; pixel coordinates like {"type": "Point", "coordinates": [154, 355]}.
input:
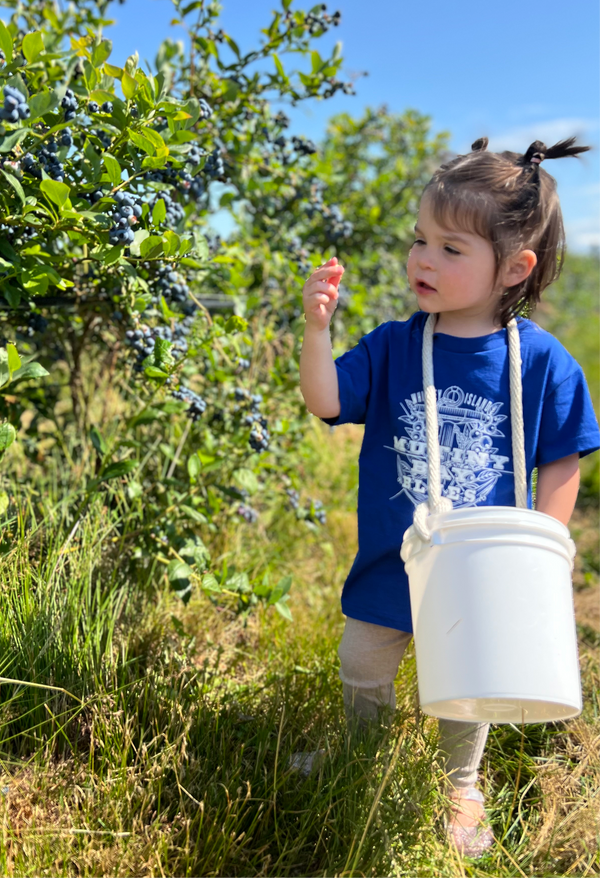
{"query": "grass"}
{"type": "Point", "coordinates": [157, 737]}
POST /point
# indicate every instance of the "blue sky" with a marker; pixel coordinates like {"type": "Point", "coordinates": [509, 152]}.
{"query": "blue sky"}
{"type": "Point", "coordinates": [513, 71]}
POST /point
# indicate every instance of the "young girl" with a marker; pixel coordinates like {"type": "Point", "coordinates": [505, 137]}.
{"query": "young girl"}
{"type": "Point", "coordinates": [489, 239]}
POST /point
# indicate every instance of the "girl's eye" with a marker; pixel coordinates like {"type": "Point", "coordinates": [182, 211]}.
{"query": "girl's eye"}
{"type": "Point", "coordinates": [418, 241]}
{"type": "Point", "coordinates": [452, 251]}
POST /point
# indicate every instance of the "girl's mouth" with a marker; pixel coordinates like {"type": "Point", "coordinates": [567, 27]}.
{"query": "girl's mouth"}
{"type": "Point", "coordinates": [423, 287]}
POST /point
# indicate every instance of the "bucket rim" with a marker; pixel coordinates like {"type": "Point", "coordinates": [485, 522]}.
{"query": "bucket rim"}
{"type": "Point", "coordinates": [538, 524]}
{"type": "Point", "coordinates": [499, 514]}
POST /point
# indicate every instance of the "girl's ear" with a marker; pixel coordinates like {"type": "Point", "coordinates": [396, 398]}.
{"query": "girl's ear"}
{"type": "Point", "coordinates": [518, 268]}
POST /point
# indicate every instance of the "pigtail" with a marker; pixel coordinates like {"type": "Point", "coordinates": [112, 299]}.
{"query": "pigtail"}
{"type": "Point", "coordinates": [480, 145]}
{"type": "Point", "coordinates": [538, 151]}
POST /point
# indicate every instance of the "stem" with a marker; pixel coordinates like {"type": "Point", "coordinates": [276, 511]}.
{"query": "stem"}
{"type": "Point", "coordinates": [179, 449]}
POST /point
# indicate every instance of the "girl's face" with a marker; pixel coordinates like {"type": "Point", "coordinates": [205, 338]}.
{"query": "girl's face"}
{"type": "Point", "coordinates": [452, 274]}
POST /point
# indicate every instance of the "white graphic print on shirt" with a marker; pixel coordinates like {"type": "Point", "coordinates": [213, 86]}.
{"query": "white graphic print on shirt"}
{"type": "Point", "coordinates": [470, 465]}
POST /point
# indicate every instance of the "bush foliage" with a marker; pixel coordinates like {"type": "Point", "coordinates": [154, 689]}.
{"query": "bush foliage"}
{"type": "Point", "coordinates": [168, 358]}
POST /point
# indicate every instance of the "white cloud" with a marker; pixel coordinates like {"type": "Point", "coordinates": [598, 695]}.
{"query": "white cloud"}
{"type": "Point", "coordinates": [583, 233]}
{"type": "Point", "coordinates": [549, 132]}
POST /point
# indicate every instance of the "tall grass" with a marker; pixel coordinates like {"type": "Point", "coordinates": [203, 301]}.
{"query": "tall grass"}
{"type": "Point", "coordinates": [147, 738]}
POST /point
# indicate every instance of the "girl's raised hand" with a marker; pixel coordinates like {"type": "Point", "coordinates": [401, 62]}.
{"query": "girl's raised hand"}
{"type": "Point", "coordinates": [320, 294]}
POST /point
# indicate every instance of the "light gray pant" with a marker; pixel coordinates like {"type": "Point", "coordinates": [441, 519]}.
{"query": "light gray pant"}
{"type": "Point", "coordinates": [370, 656]}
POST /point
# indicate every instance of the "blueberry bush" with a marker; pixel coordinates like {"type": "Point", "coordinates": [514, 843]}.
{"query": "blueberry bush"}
{"type": "Point", "coordinates": [169, 355]}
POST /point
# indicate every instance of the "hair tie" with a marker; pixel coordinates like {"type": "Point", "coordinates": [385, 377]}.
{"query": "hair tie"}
{"type": "Point", "coordinates": [535, 154]}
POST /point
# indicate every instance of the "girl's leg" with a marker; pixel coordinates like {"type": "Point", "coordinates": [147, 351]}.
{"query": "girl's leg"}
{"type": "Point", "coordinates": [369, 656]}
{"type": "Point", "coordinates": [462, 746]}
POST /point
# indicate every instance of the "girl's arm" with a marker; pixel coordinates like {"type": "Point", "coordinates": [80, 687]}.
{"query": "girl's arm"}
{"type": "Point", "coordinates": [318, 374]}
{"type": "Point", "coordinates": [557, 487]}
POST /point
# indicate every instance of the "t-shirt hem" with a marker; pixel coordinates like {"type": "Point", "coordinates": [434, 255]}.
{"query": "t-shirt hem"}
{"type": "Point", "coordinates": [362, 615]}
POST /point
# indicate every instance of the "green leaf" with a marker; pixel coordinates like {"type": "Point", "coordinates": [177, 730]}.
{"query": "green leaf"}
{"type": "Point", "coordinates": [148, 244]}
{"type": "Point", "coordinates": [4, 370]}
{"type": "Point", "coordinates": [154, 162]}
{"type": "Point", "coordinates": [113, 168]}
{"type": "Point", "coordinates": [139, 236]}
{"type": "Point", "coordinates": [194, 466]}
{"type": "Point", "coordinates": [101, 52]}
{"type": "Point", "coordinates": [118, 469]}
{"type": "Point", "coordinates": [159, 212]}
{"type": "Point", "coordinates": [192, 108]}
{"type": "Point", "coordinates": [239, 582]}
{"type": "Point", "coordinates": [316, 61]}
{"type": "Point", "coordinates": [128, 84]}
{"type": "Point", "coordinates": [154, 372]}
{"type": "Point", "coordinates": [12, 296]}
{"type": "Point", "coordinates": [30, 370]}
{"type": "Point", "coordinates": [14, 360]}
{"type": "Point", "coordinates": [279, 67]}
{"type": "Point", "coordinates": [194, 514]}
{"type": "Point", "coordinates": [246, 479]}
{"type": "Point", "coordinates": [36, 281]}
{"type": "Point", "coordinates": [227, 198]}
{"type": "Point", "coordinates": [183, 589]}
{"type": "Point", "coordinates": [141, 141]}
{"type": "Point", "coordinates": [33, 45]}
{"type": "Point", "coordinates": [210, 582]}
{"type": "Point", "coordinates": [6, 43]}
{"type": "Point", "coordinates": [161, 351]}
{"type": "Point", "coordinates": [131, 63]}
{"type": "Point", "coordinates": [281, 589]}
{"type": "Point", "coordinates": [191, 263]}
{"type": "Point", "coordinates": [3, 502]}
{"type": "Point", "coordinates": [91, 77]}
{"type": "Point", "coordinates": [155, 138]}
{"type": "Point", "coordinates": [10, 141]}
{"type": "Point", "coordinates": [232, 45]}
{"type": "Point", "coordinates": [100, 95]}
{"type": "Point", "coordinates": [111, 70]}
{"type": "Point", "coordinates": [41, 103]}
{"type": "Point", "coordinates": [98, 441]}
{"type": "Point", "coordinates": [8, 435]}
{"type": "Point", "coordinates": [56, 191]}
{"type": "Point", "coordinates": [12, 180]}
{"type": "Point", "coordinates": [236, 324]}
{"type": "Point", "coordinates": [178, 570]}
{"type": "Point", "coordinates": [283, 609]}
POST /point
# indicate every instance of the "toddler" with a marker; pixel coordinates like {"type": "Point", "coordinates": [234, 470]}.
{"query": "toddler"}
{"type": "Point", "coordinates": [488, 240]}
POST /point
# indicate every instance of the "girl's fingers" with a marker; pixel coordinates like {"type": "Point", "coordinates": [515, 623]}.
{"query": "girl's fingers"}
{"type": "Point", "coordinates": [326, 270]}
{"type": "Point", "coordinates": [322, 286]}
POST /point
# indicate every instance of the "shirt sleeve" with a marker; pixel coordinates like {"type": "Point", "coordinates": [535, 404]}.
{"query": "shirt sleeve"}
{"type": "Point", "coordinates": [354, 372]}
{"type": "Point", "coordinates": [568, 423]}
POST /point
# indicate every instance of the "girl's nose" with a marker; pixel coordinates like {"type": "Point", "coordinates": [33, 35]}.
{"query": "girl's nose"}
{"type": "Point", "coordinates": [425, 257]}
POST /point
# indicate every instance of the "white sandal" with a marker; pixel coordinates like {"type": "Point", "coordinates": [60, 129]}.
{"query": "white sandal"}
{"type": "Point", "coordinates": [471, 841]}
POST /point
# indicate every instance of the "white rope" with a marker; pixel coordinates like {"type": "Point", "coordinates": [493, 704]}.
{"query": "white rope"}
{"type": "Point", "coordinates": [516, 414]}
{"type": "Point", "coordinates": [435, 501]}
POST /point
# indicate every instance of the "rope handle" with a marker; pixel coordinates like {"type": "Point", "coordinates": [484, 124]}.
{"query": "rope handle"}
{"type": "Point", "coordinates": [435, 501]}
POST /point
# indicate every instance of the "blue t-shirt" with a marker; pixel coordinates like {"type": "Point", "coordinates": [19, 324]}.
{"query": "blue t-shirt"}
{"type": "Point", "coordinates": [381, 386]}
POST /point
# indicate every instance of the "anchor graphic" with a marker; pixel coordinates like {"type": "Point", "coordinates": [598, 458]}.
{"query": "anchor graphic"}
{"type": "Point", "coordinates": [470, 464]}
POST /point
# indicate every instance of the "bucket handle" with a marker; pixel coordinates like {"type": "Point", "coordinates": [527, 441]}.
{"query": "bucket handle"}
{"type": "Point", "coordinates": [435, 501]}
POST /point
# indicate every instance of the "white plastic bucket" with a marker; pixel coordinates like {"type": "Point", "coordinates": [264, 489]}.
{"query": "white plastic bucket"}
{"type": "Point", "coordinates": [493, 616]}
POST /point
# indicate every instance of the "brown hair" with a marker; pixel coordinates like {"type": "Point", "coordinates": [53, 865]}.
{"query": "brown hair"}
{"type": "Point", "coordinates": [509, 200]}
